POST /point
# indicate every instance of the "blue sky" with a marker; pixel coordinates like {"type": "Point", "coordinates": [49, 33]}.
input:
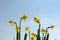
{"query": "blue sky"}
{"type": "Point", "coordinates": [47, 10]}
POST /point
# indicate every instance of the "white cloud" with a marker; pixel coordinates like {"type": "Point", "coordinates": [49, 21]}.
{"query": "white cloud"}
{"type": "Point", "coordinates": [46, 20]}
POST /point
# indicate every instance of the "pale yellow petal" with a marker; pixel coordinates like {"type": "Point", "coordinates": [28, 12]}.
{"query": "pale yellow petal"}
{"type": "Point", "coordinates": [18, 28]}
{"type": "Point", "coordinates": [11, 22]}
{"type": "Point", "coordinates": [25, 17]}
{"type": "Point", "coordinates": [52, 26]}
{"type": "Point", "coordinates": [43, 30]}
{"type": "Point", "coordinates": [27, 28]}
{"type": "Point", "coordinates": [37, 20]}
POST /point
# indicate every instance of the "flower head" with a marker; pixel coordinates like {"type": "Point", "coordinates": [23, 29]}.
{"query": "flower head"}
{"type": "Point", "coordinates": [11, 22]}
{"type": "Point", "coordinates": [27, 28]}
{"type": "Point", "coordinates": [18, 28]}
{"type": "Point", "coordinates": [52, 26]}
{"type": "Point", "coordinates": [37, 20]}
{"type": "Point", "coordinates": [33, 36]}
{"type": "Point", "coordinates": [43, 30]}
{"type": "Point", "coordinates": [25, 17]}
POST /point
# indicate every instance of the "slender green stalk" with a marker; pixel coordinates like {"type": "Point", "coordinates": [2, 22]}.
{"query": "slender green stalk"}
{"type": "Point", "coordinates": [25, 36]}
{"type": "Point", "coordinates": [47, 38]}
{"type": "Point", "coordinates": [47, 34]}
{"type": "Point", "coordinates": [15, 24]}
{"type": "Point", "coordinates": [44, 38]}
{"type": "Point", "coordinates": [16, 32]}
{"type": "Point", "coordinates": [20, 29]}
{"type": "Point", "coordinates": [38, 33]}
{"type": "Point", "coordinates": [17, 35]}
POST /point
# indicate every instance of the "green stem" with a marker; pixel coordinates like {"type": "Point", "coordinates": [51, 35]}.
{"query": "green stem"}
{"type": "Point", "coordinates": [47, 38]}
{"type": "Point", "coordinates": [17, 35]}
{"type": "Point", "coordinates": [46, 35]}
{"type": "Point", "coordinates": [38, 33]}
{"type": "Point", "coordinates": [39, 30]}
{"type": "Point", "coordinates": [38, 37]}
{"type": "Point", "coordinates": [20, 29]}
{"type": "Point", "coordinates": [15, 24]}
{"type": "Point", "coordinates": [16, 32]}
{"type": "Point", "coordinates": [25, 36]}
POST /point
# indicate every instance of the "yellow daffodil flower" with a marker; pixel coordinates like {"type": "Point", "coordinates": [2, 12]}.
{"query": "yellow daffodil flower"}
{"type": "Point", "coordinates": [27, 28]}
{"type": "Point", "coordinates": [11, 22]}
{"type": "Point", "coordinates": [18, 28]}
{"type": "Point", "coordinates": [33, 37]}
{"type": "Point", "coordinates": [25, 17]}
{"type": "Point", "coordinates": [52, 26]}
{"type": "Point", "coordinates": [43, 30]}
{"type": "Point", "coordinates": [33, 33]}
{"type": "Point", "coordinates": [37, 20]}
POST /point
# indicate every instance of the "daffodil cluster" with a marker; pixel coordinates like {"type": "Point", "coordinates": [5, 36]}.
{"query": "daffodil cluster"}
{"type": "Point", "coordinates": [32, 35]}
